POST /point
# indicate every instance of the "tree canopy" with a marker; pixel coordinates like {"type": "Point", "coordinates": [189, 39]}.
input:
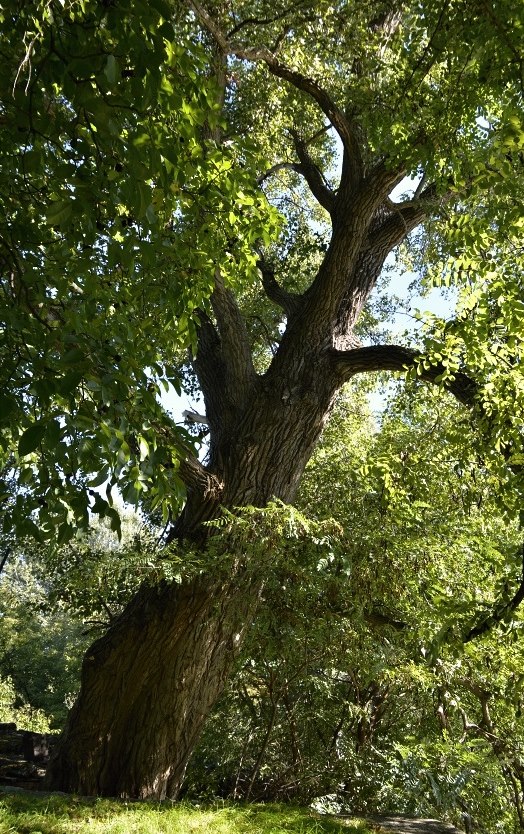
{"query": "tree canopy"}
{"type": "Point", "coordinates": [129, 176]}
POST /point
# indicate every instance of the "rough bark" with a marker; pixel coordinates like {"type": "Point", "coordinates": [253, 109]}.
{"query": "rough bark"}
{"type": "Point", "coordinates": [150, 682]}
{"type": "Point", "coordinates": [147, 686]}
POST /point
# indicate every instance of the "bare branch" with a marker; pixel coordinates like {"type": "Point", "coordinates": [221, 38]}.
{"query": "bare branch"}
{"type": "Point", "coordinates": [289, 302]}
{"type": "Point", "coordinates": [397, 358]}
{"type": "Point", "coordinates": [420, 187]}
{"type": "Point", "coordinates": [280, 166]}
{"type": "Point", "coordinates": [223, 362]}
{"type": "Point", "coordinates": [258, 21]}
{"type": "Point", "coordinates": [400, 221]}
{"type": "Point", "coordinates": [194, 417]}
{"type": "Point", "coordinates": [312, 174]}
{"type": "Point", "coordinates": [317, 133]}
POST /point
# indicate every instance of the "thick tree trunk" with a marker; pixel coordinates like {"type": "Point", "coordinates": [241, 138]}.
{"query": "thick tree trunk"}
{"type": "Point", "coordinates": [147, 687]}
{"type": "Point", "coordinates": [148, 684]}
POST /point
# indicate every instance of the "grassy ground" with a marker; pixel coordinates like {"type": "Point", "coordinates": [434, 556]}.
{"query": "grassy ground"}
{"type": "Point", "coordinates": [29, 814]}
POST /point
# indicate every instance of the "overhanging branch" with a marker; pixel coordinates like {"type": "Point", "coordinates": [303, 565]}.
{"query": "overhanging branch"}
{"type": "Point", "coordinates": [197, 478]}
{"type": "Point", "coordinates": [349, 363]}
{"type": "Point", "coordinates": [397, 358]}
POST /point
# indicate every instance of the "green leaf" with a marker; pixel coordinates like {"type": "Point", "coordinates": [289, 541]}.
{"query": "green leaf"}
{"type": "Point", "coordinates": [29, 528]}
{"type": "Point", "coordinates": [7, 406]}
{"type": "Point", "coordinates": [162, 7]}
{"type": "Point", "coordinates": [69, 382]}
{"type": "Point", "coordinates": [31, 438]}
{"type": "Point", "coordinates": [111, 70]}
{"type": "Point", "coordinates": [53, 433]}
{"type": "Point", "coordinates": [100, 507]}
{"type": "Point", "coordinates": [59, 212]}
{"type": "Point", "coordinates": [99, 479]}
{"type": "Point", "coordinates": [144, 193]}
{"type": "Point", "coordinates": [115, 523]}
{"type": "Point", "coordinates": [74, 355]}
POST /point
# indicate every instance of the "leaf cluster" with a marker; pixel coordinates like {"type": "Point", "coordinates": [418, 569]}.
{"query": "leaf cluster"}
{"type": "Point", "coordinates": [116, 210]}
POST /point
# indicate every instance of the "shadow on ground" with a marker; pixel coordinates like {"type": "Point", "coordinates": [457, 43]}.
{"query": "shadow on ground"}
{"type": "Point", "coordinates": [411, 825]}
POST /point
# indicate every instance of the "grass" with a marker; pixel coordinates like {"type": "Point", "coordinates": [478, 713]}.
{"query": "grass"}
{"type": "Point", "coordinates": [56, 814]}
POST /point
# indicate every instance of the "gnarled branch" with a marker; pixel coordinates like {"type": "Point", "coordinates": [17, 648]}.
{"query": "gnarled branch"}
{"type": "Point", "coordinates": [349, 363]}
{"type": "Point", "coordinates": [289, 302]}
{"type": "Point", "coordinates": [197, 478]}
{"type": "Point", "coordinates": [204, 493]}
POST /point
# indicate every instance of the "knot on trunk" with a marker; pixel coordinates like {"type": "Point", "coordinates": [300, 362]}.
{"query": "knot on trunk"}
{"type": "Point", "coordinates": [204, 495]}
{"type": "Point", "coordinates": [199, 480]}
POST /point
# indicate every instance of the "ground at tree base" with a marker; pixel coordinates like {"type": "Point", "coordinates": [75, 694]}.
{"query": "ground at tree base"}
{"type": "Point", "coordinates": [21, 752]}
{"type": "Point", "coordinates": [51, 812]}
{"type": "Point", "coordinates": [411, 825]}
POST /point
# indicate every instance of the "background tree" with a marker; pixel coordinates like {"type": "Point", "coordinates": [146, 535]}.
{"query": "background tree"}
{"type": "Point", "coordinates": [429, 92]}
{"type": "Point", "coordinates": [357, 683]}
{"type": "Point", "coordinates": [54, 601]}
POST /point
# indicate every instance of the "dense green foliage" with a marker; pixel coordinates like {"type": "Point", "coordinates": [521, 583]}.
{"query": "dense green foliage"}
{"type": "Point", "coordinates": [14, 712]}
{"type": "Point", "coordinates": [356, 682]}
{"type": "Point", "coordinates": [119, 201]}
{"type": "Point", "coordinates": [115, 213]}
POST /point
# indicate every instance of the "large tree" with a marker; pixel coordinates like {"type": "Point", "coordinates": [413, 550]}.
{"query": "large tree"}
{"type": "Point", "coordinates": [431, 92]}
